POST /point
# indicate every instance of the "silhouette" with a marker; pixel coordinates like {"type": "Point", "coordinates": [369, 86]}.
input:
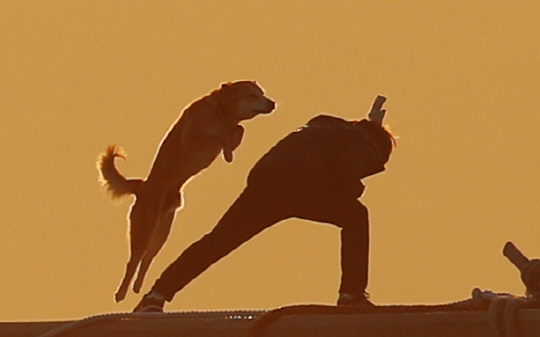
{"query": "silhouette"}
{"type": "Point", "coordinates": [528, 268]}
{"type": "Point", "coordinates": [204, 129]}
{"type": "Point", "coordinates": [313, 173]}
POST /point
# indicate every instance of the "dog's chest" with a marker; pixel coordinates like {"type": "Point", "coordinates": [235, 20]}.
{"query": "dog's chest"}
{"type": "Point", "coordinates": [207, 143]}
{"type": "Point", "coordinates": [217, 131]}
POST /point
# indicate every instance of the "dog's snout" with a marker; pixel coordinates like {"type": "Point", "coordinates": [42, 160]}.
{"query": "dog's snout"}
{"type": "Point", "coordinates": [272, 104]}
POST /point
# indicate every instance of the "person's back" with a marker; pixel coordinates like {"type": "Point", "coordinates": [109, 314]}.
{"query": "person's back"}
{"type": "Point", "coordinates": [329, 152]}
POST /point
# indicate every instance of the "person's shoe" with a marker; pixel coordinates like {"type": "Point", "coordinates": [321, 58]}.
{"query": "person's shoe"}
{"type": "Point", "coordinates": [151, 302]}
{"type": "Point", "coordinates": [354, 300]}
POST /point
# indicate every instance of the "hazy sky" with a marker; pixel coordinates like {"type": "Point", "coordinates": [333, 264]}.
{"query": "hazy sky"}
{"type": "Point", "coordinates": [462, 81]}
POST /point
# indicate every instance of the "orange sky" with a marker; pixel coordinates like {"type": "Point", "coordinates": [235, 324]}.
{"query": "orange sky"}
{"type": "Point", "coordinates": [462, 81]}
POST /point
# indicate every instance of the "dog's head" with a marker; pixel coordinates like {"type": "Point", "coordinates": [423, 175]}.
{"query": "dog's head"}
{"type": "Point", "coordinates": [243, 100]}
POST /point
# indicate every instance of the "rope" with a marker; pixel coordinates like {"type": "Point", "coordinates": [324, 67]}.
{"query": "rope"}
{"type": "Point", "coordinates": [103, 318]}
{"type": "Point", "coordinates": [263, 322]}
{"type": "Point", "coordinates": [502, 311]}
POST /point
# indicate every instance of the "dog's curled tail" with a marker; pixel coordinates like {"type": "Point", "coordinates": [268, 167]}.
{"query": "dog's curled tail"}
{"type": "Point", "coordinates": [109, 177]}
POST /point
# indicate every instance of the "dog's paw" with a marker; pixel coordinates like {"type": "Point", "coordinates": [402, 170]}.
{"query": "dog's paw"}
{"type": "Point", "coordinates": [119, 296]}
{"type": "Point", "coordinates": [227, 155]}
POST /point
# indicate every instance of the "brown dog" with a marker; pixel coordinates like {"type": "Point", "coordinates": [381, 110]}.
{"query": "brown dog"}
{"type": "Point", "coordinates": [205, 128]}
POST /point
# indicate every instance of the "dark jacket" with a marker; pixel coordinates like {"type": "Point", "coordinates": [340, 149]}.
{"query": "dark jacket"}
{"type": "Point", "coordinates": [329, 152]}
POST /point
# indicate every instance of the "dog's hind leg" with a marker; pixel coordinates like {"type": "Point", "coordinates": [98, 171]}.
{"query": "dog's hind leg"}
{"type": "Point", "coordinates": [144, 218]}
{"type": "Point", "coordinates": [158, 240]}
{"type": "Point", "coordinates": [172, 203]}
{"type": "Point", "coordinates": [131, 267]}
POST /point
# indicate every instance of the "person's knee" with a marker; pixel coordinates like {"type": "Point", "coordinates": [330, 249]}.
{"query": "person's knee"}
{"type": "Point", "coordinates": [355, 216]}
{"type": "Point", "coordinates": [362, 210]}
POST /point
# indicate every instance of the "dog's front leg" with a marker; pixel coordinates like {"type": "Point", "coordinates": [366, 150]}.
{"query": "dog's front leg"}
{"type": "Point", "coordinates": [232, 142]}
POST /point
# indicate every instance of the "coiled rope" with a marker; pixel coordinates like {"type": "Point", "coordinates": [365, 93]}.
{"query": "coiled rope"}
{"type": "Point", "coordinates": [98, 319]}
{"type": "Point", "coordinates": [502, 311]}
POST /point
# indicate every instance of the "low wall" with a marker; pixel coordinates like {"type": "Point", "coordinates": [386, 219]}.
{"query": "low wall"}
{"type": "Point", "coordinates": [238, 324]}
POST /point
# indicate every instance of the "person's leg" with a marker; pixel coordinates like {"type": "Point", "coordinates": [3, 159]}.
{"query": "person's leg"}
{"type": "Point", "coordinates": [247, 216]}
{"type": "Point", "coordinates": [352, 217]}
{"type": "Point", "coordinates": [354, 250]}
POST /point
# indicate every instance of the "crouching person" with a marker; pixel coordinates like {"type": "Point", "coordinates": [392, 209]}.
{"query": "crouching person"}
{"type": "Point", "coordinates": [314, 173]}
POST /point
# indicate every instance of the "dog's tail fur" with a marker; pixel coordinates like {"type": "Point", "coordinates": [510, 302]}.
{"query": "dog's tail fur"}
{"type": "Point", "coordinates": [112, 180]}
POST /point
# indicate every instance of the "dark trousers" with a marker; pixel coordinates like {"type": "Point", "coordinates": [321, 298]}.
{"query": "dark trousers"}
{"type": "Point", "coordinates": [260, 206]}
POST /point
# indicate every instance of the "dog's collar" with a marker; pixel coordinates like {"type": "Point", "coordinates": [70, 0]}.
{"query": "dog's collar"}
{"type": "Point", "coordinates": [219, 109]}
{"type": "Point", "coordinates": [224, 114]}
